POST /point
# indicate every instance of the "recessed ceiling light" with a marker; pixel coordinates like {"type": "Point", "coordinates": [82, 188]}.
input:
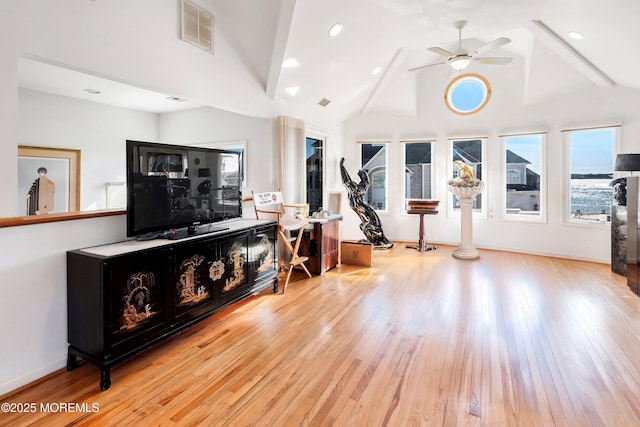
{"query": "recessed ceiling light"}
{"type": "Point", "coordinates": [335, 29]}
{"type": "Point", "coordinates": [290, 63]}
{"type": "Point", "coordinates": [293, 90]}
{"type": "Point", "coordinates": [575, 35]}
{"type": "Point", "coordinates": [92, 91]}
{"type": "Point", "coordinates": [376, 70]}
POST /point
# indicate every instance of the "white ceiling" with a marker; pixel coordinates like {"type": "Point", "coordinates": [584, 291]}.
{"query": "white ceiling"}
{"type": "Point", "coordinates": [395, 35]}
{"type": "Point", "coordinates": [50, 78]}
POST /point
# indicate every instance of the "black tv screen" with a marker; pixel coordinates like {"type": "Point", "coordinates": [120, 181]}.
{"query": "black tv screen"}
{"type": "Point", "coordinates": [172, 187]}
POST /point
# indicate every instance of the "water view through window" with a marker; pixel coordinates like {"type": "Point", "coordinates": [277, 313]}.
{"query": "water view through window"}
{"type": "Point", "coordinates": [591, 169]}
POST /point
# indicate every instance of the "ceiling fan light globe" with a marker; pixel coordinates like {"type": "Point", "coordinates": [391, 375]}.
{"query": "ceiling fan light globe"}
{"type": "Point", "coordinates": [460, 63]}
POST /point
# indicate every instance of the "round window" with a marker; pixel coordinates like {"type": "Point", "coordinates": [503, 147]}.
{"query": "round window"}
{"type": "Point", "coordinates": [467, 94]}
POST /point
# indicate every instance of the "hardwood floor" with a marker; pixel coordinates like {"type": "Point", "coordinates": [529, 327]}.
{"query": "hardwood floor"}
{"type": "Point", "coordinates": [420, 339]}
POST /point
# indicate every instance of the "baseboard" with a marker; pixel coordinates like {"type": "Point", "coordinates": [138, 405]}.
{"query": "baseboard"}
{"type": "Point", "coordinates": [31, 377]}
{"type": "Point", "coordinates": [518, 251]}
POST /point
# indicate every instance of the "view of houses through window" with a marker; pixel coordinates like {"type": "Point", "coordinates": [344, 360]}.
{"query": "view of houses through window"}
{"type": "Point", "coordinates": [591, 169]}
{"type": "Point", "coordinates": [589, 154]}
{"type": "Point", "coordinates": [523, 175]}
{"type": "Point", "coordinates": [417, 170]}
{"type": "Point", "coordinates": [374, 163]}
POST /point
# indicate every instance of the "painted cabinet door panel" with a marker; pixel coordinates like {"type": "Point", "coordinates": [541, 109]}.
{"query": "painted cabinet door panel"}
{"type": "Point", "coordinates": [137, 296]}
{"type": "Point", "coordinates": [193, 290]}
{"type": "Point", "coordinates": [263, 259]}
{"type": "Point", "coordinates": [234, 255]}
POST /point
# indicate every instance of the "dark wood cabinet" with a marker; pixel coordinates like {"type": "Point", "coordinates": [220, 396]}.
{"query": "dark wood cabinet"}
{"type": "Point", "coordinates": [320, 244]}
{"type": "Point", "coordinates": [125, 297]}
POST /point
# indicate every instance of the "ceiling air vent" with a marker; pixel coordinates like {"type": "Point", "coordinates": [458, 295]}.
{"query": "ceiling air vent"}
{"type": "Point", "coordinates": [196, 26]}
{"type": "Point", "coordinates": [324, 102]}
{"type": "Point", "coordinates": [175, 98]}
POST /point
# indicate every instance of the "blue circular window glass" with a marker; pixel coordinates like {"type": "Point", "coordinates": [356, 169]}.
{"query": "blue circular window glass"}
{"type": "Point", "coordinates": [467, 94]}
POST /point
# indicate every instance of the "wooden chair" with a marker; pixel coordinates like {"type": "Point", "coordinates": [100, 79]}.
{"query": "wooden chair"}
{"type": "Point", "coordinates": [271, 205]}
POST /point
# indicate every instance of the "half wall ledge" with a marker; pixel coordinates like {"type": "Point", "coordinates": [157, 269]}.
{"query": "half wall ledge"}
{"type": "Point", "coordinates": [67, 216]}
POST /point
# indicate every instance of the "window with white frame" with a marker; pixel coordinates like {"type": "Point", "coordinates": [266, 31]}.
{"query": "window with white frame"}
{"type": "Point", "coordinates": [524, 176]}
{"type": "Point", "coordinates": [590, 166]}
{"type": "Point", "coordinates": [374, 163]}
{"type": "Point", "coordinates": [417, 170]}
{"type": "Point", "coordinates": [471, 152]}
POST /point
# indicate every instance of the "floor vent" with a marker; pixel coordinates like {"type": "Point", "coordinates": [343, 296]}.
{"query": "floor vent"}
{"type": "Point", "coordinates": [324, 102]}
{"type": "Point", "coordinates": [196, 26]}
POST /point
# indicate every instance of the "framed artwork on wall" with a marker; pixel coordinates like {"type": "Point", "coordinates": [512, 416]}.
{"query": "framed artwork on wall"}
{"type": "Point", "coordinates": [48, 180]}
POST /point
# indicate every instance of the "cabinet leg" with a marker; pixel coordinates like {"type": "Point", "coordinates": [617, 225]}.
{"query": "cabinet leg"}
{"type": "Point", "coordinates": [275, 286]}
{"type": "Point", "coordinates": [105, 378]}
{"type": "Point", "coordinates": [72, 361]}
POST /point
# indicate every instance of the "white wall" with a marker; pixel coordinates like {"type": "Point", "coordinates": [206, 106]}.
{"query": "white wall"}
{"type": "Point", "coordinates": [98, 130]}
{"type": "Point", "coordinates": [505, 113]}
{"type": "Point", "coordinates": [33, 310]}
{"type": "Point", "coordinates": [213, 125]}
{"type": "Point", "coordinates": [118, 39]}
{"type": "Point", "coordinates": [263, 163]}
{"type": "Point", "coordinates": [33, 283]}
{"type": "Point", "coordinates": [8, 103]}
{"type": "Point", "coordinates": [137, 42]}
{"type": "Point", "coordinates": [121, 40]}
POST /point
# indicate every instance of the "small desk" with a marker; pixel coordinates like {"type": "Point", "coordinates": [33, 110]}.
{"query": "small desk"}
{"type": "Point", "coordinates": [422, 246]}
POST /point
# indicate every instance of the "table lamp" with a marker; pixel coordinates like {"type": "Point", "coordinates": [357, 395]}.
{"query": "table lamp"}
{"type": "Point", "coordinates": [627, 162]}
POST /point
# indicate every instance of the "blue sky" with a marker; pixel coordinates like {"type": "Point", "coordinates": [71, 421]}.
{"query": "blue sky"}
{"type": "Point", "coordinates": [591, 151]}
{"type": "Point", "coordinates": [467, 95]}
{"type": "Point", "coordinates": [527, 147]}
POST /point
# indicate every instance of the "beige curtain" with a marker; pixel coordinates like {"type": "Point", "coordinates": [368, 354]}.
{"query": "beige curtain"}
{"type": "Point", "coordinates": [292, 160]}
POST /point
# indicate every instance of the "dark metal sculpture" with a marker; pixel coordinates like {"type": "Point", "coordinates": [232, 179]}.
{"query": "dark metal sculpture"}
{"type": "Point", "coordinates": [370, 225]}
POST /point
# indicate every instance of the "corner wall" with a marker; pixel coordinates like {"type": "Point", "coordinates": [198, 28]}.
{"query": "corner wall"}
{"type": "Point", "coordinates": [99, 131]}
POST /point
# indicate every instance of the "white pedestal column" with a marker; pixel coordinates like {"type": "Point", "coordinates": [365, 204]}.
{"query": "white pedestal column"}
{"type": "Point", "coordinates": [466, 250]}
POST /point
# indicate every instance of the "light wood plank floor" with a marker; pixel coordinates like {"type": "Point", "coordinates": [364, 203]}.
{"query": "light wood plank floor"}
{"type": "Point", "coordinates": [418, 340]}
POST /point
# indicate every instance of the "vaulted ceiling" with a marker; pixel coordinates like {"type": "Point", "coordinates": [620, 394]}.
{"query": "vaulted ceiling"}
{"type": "Point", "coordinates": [395, 34]}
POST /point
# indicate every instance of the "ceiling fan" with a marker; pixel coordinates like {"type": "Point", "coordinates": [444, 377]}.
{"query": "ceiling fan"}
{"type": "Point", "coordinates": [461, 58]}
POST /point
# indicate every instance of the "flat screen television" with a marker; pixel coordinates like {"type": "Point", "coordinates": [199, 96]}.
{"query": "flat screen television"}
{"type": "Point", "coordinates": [175, 191]}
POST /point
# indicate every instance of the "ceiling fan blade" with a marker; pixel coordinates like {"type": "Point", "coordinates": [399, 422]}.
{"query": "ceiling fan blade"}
{"type": "Point", "coordinates": [425, 66]}
{"type": "Point", "coordinates": [493, 60]}
{"type": "Point", "coordinates": [441, 51]}
{"type": "Point", "coordinates": [491, 45]}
